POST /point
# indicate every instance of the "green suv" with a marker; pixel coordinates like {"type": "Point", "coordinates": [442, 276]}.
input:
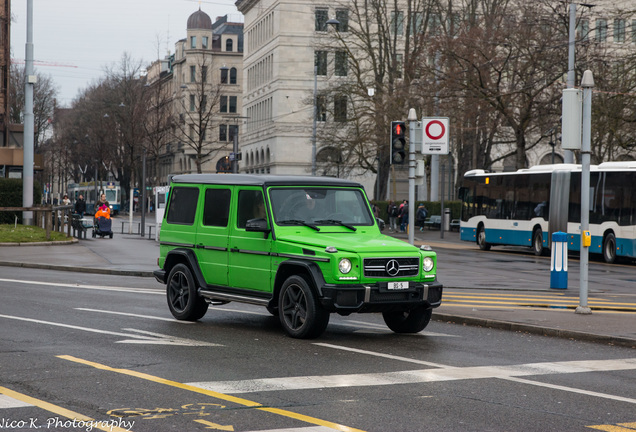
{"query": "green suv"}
{"type": "Point", "coordinates": [303, 247]}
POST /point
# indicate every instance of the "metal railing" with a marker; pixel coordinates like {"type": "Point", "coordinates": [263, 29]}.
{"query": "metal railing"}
{"type": "Point", "coordinates": [50, 218]}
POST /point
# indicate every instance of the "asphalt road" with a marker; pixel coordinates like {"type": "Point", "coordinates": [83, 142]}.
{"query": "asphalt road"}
{"type": "Point", "coordinates": [103, 352]}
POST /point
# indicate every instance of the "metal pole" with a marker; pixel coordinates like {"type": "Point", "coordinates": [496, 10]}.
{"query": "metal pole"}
{"type": "Point", "coordinates": [587, 83]}
{"type": "Point", "coordinates": [441, 203]}
{"type": "Point", "coordinates": [29, 124]}
{"type": "Point", "coordinates": [568, 155]}
{"type": "Point", "coordinates": [313, 132]}
{"type": "Point", "coordinates": [412, 118]}
{"type": "Point", "coordinates": [142, 201]}
{"type": "Point", "coordinates": [235, 150]}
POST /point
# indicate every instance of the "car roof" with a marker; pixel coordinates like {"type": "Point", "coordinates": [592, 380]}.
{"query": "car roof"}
{"type": "Point", "coordinates": [262, 180]}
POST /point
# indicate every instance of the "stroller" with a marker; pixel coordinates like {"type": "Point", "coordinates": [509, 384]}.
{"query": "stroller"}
{"type": "Point", "coordinates": [102, 227]}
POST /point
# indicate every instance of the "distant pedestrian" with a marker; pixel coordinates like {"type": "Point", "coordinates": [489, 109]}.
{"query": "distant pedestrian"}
{"type": "Point", "coordinates": [392, 211]}
{"type": "Point", "coordinates": [403, 216]}
{"type": "Point", "coordinates": [80, 206]}
{"type": "Point", "coordinates": [420, 215]}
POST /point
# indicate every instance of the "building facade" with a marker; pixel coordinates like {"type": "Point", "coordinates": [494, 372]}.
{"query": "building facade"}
{"type": "Point", "coordinates": [197, 91]}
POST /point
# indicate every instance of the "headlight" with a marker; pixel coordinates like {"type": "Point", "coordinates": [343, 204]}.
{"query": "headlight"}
{"type": "Point", "coordinates": [428, 264]}
{"type": "Point", "coordinates": [344, 266]}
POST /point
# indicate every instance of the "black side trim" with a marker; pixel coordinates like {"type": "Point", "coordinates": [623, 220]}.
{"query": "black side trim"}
{"type": "Point", "coordinates": [189, 256]}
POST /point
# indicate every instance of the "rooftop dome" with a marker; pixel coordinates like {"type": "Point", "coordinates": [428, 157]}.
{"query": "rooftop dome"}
{"type": "Point", "coordinates": [199, 20]}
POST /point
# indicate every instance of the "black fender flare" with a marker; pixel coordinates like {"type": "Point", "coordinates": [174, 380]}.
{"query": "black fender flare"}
{"type": "Point", "coordinates": [290, 267]}
{"type": "Point", "coordinates": [187, 256]}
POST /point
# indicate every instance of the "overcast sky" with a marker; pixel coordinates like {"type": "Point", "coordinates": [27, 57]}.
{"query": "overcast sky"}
{"type": "Point", "coordinates": [75, 40]}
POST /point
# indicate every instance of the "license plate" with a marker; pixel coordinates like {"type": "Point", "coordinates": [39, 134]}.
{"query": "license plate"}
{"type": "Point", "coordinates": [398, 285]}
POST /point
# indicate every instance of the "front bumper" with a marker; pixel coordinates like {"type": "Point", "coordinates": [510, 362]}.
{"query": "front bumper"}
{"type": "Point", "coordinates": [346, 299]}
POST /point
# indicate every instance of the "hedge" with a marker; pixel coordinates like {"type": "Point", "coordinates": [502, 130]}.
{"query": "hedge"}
{"type": "Point", "coordinates": [433, 208]}
{"type": "Point", "coordinates": [11, 196]}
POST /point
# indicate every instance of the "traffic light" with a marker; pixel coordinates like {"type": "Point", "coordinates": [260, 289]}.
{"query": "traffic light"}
{"type": "Point", "coordinates": [398, 142]}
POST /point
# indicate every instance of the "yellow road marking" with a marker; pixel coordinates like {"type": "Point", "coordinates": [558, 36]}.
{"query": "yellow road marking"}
{"type": "Point", "coordinates": [215, 426]}
{"type": "Point", "coordinates": [217, 395]}
{"type": "Point", "coordinates": [538, 304]}
{"type": "Point", "coordinates": [611, 428]}
{"type": "Point", "coordinates": [509, 306]}
{"type": "Point", "coordinates": [72, 415]}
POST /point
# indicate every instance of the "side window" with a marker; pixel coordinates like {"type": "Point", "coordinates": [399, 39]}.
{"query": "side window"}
{"type": "Point", "coordinates": [183, 205]}
{"type": "Point", "coordinates": [250, 206]}
{"type": "Point", "coordinates": [217, 207]}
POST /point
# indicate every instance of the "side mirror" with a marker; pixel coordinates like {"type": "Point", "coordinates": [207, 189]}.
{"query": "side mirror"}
{"type": "Point", "coordinates": [258, 225]}
{"type": "Point", "coordinates": [381, 224]}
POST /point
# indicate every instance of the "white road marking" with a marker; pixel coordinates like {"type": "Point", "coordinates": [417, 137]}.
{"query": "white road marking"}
{"type": "Point", "coordinates": [152, 338]}
{"type": "Point", "coordinates": [89, 287]}
{"type": "Point", "coordinates": [9, 402]}
{"type": "Point", "coordinates": [571, 390]}
{"type": "Point", "coordinates": [302, 429]}
{"type": "Point", "coordinates": [416, 376]}
{"type": "Point", "coordinates": [376, 354]}
{"type": "Point", "coordinates": [135, 315]}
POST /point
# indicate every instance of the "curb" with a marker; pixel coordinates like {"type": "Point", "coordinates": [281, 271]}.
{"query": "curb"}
{"type": "Point", "coordinates": [529, 328]}
{"type": "Point", "coordinates": [44, 243]}
{"type": "Point", "coordinates": [137, 273]}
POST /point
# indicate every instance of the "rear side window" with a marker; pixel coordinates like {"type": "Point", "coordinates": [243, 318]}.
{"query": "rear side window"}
{"type": "Point", "coordinates": [183, 205]}
{"type": "Point", "coordinates": [217, 207]}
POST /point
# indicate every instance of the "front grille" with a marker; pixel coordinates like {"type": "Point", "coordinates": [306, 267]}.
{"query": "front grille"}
{"type": "Point", "coordinates": [377, 267]}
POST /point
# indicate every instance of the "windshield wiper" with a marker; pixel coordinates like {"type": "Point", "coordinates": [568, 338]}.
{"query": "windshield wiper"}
{"type": "Point", "coordinates": [337, 222]}
{"type": "Point", "coordinates": [298, 222]}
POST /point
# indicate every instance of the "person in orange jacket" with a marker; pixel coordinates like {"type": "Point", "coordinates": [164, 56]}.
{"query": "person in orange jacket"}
{"type": "Point", "coordinates": [103, 211]}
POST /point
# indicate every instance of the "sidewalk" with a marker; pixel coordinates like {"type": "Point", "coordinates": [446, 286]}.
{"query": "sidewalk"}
{"type": "Point", "coordinates": [133, 255]}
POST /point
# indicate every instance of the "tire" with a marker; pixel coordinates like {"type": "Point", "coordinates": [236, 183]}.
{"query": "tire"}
{"type": "Point", "coordinates": [481, 239]}
{"type": "Point", "coordinates": [301, 316]}
{"type": "Point", "coordinates": [609, 248]}
{"type": "Point", "coordinates": [537, 242]}
{"type": "Point", "coordinates": [183, 300]}
{"type": "Point", "coordinates": [413, 321]}
{"type": "Point", "coordinates": [111, 235]}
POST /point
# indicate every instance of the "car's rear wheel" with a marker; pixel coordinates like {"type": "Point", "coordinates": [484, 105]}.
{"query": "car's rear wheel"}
{"type": "Point", "coordinates": [183, 300]}
{"type": "Point", "coordinates": [412, 321]}
{"type": "Point", "coordinates": [300, 314]}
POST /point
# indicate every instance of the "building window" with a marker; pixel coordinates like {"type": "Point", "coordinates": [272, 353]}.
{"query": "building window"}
{"type": "Point", "coordinates": [223, 107]}
{"type": "Point", "coordinates": [397, 22]}
{"type": "Point", "coordinates": [634, 31]}
{"type": "Point", "coordinates": [193, 41]}
{"type": "Point", "coordinates": [222, 132]}
{"type": "Point", "coordinates": [224, 71]}
{"type": "Point", "coordinates": [341, 63]}
{"type": "Point", "coordinates": [340, 108]}
{"type": "Point", "coordinates": [342, 15]}
{"type": "Point", "coordinates": [619, 30]}
{"type": "Point", "coordinates": [583, 30]}
{"type": "Point", "coordinates": [601, 30]}
{"type": "Point", "coordinates": [321, 62]}
{"type": "Point", "coordinates": [233, 76]}
{"type": "Point", "coordinates": [204, 103]}
{"type": "Point", "coordinates": [233, 104]}
{"type": "Point", "coordinates": [204, 73]}
{"type": "Point", "coordinates": [229, 45]}
{"type": "Point", "coordinates": [192, 104]}
{"type": "Point", "coordinates": [204, 42]}
{"type": "Point", "coordinates": [321, 109]}
{"type": "Point", "coordinates": [193, 74]}
{"type": "Point", "coordinates": [399, 65]}
{"type": "Point", "coordinates": [417, 23]}
{"type": "Point", "coordinates": [321, 19]}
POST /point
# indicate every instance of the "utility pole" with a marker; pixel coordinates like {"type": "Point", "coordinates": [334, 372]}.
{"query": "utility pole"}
{"type": "Point", "coordinates": [29, 125]}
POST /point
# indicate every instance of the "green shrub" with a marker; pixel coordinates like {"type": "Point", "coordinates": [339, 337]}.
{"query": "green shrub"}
{"type": "Point", "coordinates": [11, 196]}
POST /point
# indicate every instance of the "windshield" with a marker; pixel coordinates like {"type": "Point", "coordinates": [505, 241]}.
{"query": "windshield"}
{"type": "Point", "coordinates": [320, 206]}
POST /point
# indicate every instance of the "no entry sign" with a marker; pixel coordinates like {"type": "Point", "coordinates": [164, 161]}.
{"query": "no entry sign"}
{"type": "Point", "coordinates": [435, 135]}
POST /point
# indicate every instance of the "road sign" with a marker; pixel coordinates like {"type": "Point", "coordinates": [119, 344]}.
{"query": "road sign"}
{"type": "Point", "coordinates": [435, 135]}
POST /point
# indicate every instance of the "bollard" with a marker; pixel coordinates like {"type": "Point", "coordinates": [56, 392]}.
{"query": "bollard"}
{"type": "Point", "coordinates": [559, 261]}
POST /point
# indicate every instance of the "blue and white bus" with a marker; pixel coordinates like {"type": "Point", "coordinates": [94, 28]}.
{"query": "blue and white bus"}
{"type": "Point", "coordinates": [522, 208]}
{"type": "Point", "coordinates": [112, 190]}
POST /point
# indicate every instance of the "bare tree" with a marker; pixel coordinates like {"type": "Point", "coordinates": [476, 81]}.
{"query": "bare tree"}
{"type": "Point", "coordinates": [199, 110]}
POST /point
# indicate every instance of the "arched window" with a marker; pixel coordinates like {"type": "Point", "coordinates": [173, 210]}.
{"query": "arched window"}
{"type": "Point", "coordinates": [267, 156]}
{"type": "Point", "coordinates": [233, 76]}
{"type": "Point", "coordinates": [229, 44]}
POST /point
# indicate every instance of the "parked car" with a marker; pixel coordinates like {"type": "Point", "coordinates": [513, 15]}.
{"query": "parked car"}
{"type": "Point", "coordinates": [303, 247]}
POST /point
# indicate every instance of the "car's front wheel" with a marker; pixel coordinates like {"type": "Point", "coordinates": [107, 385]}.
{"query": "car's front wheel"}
{"type": "Point", "coordinates": [412, 321]}
{"type": "Point", "coordinates": [183, 300]}
{"type": "Point", "coordinates": [300, 313]}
